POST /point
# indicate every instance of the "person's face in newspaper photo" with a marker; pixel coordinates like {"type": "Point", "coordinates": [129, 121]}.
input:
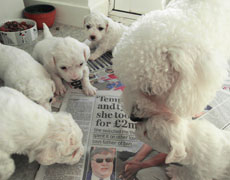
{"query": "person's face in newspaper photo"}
{"type": "Point", "coordinates": [102, 162]}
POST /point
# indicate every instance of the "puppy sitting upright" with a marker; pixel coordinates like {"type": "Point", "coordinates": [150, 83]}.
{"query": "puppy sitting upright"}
{"type": "Point", "coordinates": [20, 71]}
{"type": "Point", "coordinates": [44, 136]}
{"type": "Point", "coordinates": [103, 33]}
{"type": "Point", "coordinates": [64, 58]}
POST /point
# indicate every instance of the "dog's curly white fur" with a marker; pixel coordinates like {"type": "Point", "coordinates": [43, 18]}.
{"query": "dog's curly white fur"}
{"type": "Point", "coordinates": [200, 147]}
{"type": "Point", "coordinates": [178, 56]}
{"type": "Point", "coordinates": [64, 58]}
{"type": "Point", "coordinates": [172, 62]}
{"type": "Point", "coordinates": [103, 33]}
{"type": "Point", "coordinates": [20, 71]}
{"type": "Point", "coordinates": [27, 128]}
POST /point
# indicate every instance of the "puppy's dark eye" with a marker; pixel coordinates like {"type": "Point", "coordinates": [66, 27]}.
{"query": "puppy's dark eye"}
{"type": "Point", "coordinates": [100, 28]}
{"type": "Point", "coordinates": [88, 26]}
{"type": "Point", "coordinates": [81, 64]}
{"type": "Point", "coordinates": [63, 68]}
{"type": "Point", "coordinates": [51, 99]}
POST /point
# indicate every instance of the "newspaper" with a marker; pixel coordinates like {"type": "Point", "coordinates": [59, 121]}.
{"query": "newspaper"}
{"type": "Point", "coordinates": [217, 112]}
{"type": "Point", "coordinates": [105, 124]}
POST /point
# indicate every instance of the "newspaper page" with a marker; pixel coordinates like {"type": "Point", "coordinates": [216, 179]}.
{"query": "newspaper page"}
{"type": "Point", "coordinates": [217, 111]}
{"type": "Point", "coordinates": [105, 126]}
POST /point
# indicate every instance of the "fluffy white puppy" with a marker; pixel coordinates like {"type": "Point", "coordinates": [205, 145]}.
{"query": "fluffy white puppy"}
{"type": "Point", "coordinates": [103, 33]}
{"type": "Point", "coordinates": [20, 71]}
{"type": "Point", "coordinates": [27, 128]}
{"type": "Point", "coordinates": [64, 58]}
{"type": "Point", "coordinates": [174, 60]}
{"type": "Point", "coordinates": [200, 148]}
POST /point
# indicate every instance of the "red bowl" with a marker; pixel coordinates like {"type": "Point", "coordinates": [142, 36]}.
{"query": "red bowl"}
{"type": "Point", "coordinates": [41, 13]}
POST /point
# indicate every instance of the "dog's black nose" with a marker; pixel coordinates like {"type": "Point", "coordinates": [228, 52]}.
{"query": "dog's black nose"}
{"type": "Point", "coordinates": [92, 37]}
{"type": "Point", "coordinates": [137, 119]}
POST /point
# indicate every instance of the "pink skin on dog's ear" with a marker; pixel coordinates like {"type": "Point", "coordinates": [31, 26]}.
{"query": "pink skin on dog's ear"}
{"type": "Point", "coordinates": [86, 53]}
{"type": "Point", "coordinates": [106, 28]}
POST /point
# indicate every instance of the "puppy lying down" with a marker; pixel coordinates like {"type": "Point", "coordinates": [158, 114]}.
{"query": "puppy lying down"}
{"type": "Point", "coordinates": [28, 128]}
{"type": "Point", "coordinates": [201, 149]}
{"type": "Point", "coordinates": [20, 71]}
{"type": "Point", "coordinates": [64, 58]}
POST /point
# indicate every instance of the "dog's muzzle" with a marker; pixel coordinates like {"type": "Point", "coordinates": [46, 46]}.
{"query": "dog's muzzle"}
{"type": "Point", "coordinates": [137, 119]}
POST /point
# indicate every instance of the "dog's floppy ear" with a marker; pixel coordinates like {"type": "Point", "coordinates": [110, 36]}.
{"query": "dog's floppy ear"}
{"type": "Point", "coordinates": [86, 52]}
{"type": "Point", "coordinates": [200, 74]}
{"type": "Point", "coordinates": [45, 155]}
{"type": "Point", "coordinates": [106, 27]}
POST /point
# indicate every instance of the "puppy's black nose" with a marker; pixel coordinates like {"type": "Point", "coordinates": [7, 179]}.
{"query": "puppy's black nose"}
{"type": "Point", "coordinates": [92, 37]}
{"type": "Point", "coordinates": [137, 119]}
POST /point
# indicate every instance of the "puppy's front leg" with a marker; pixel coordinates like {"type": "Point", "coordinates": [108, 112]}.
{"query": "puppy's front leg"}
{"type": "Point", "coordinates": [101, 49]}
{"type": "Point", "coordinates": [88, 89]}
{"type": "Point", "coordinates": [7, 166]}
{"type": "Point", "coordinates": [60, 88]}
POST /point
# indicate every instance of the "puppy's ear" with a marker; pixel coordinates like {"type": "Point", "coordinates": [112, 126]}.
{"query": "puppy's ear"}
{"type": "Point", "coordinates": [53, 86]}
{"type": "Point", "coordinates": [46, 155]}
{"type": "Point", "coordinates": [51, 63]}
{"type": "Point", "coordinates": [86, 52]}
{"type": "Point", "coordinates": [177, 153]}
{"type": "Point", "coordinates": [106, 27]}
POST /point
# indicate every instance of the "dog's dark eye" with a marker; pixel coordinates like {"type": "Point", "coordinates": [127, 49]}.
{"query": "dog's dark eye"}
{"type": "Point", "coordinates": [63, 68]}
{"type": "Point", "coordinates": [100, 28]}
{"type": "Point", "coordinates": [51, 99]}
{"type": "Point", "coordinates": [81, 64]}
{"type": "Point", "coordinates": [88, 26]}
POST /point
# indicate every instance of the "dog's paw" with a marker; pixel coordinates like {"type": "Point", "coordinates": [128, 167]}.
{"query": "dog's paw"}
{"type": "Point", "coordinates": [60, 89]}
{"type": "Point", "coordinates": [90, 90]}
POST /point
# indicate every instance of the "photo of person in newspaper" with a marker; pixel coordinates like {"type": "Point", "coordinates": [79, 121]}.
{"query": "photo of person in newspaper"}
{"type": "Point", "coordinates": [146, 164]}
{"type": "Point", "coordinates": [101, 164]}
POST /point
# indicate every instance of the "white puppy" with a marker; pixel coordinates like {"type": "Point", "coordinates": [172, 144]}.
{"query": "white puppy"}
{"type": "Point", "coordinates": [20, 71]}
{"type": "Point", "coordinates": [174, 59]}
{"type": "Point", "coordinates": [27, 128]}
{"type": "Point", "coordinates": [64, 58]}
{"type": "Point", "coordinates": [103, 33]}
{"type": "Point", "coordinates": [200, 149]}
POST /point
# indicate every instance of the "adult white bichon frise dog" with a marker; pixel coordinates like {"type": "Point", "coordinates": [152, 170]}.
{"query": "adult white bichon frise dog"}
{"type": "Point", "coordinates": [64, 58]}
{"type": "Point", "coordinates": [172, 62]}
{"type": "Point", "coordinates": [174, 59]}
{"type": "Point", "coordinates": [28, 128]}
{"type": "Point", "coordinates": [103, 33]}
{"type": "Point", "coordinates": [20, 71]}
